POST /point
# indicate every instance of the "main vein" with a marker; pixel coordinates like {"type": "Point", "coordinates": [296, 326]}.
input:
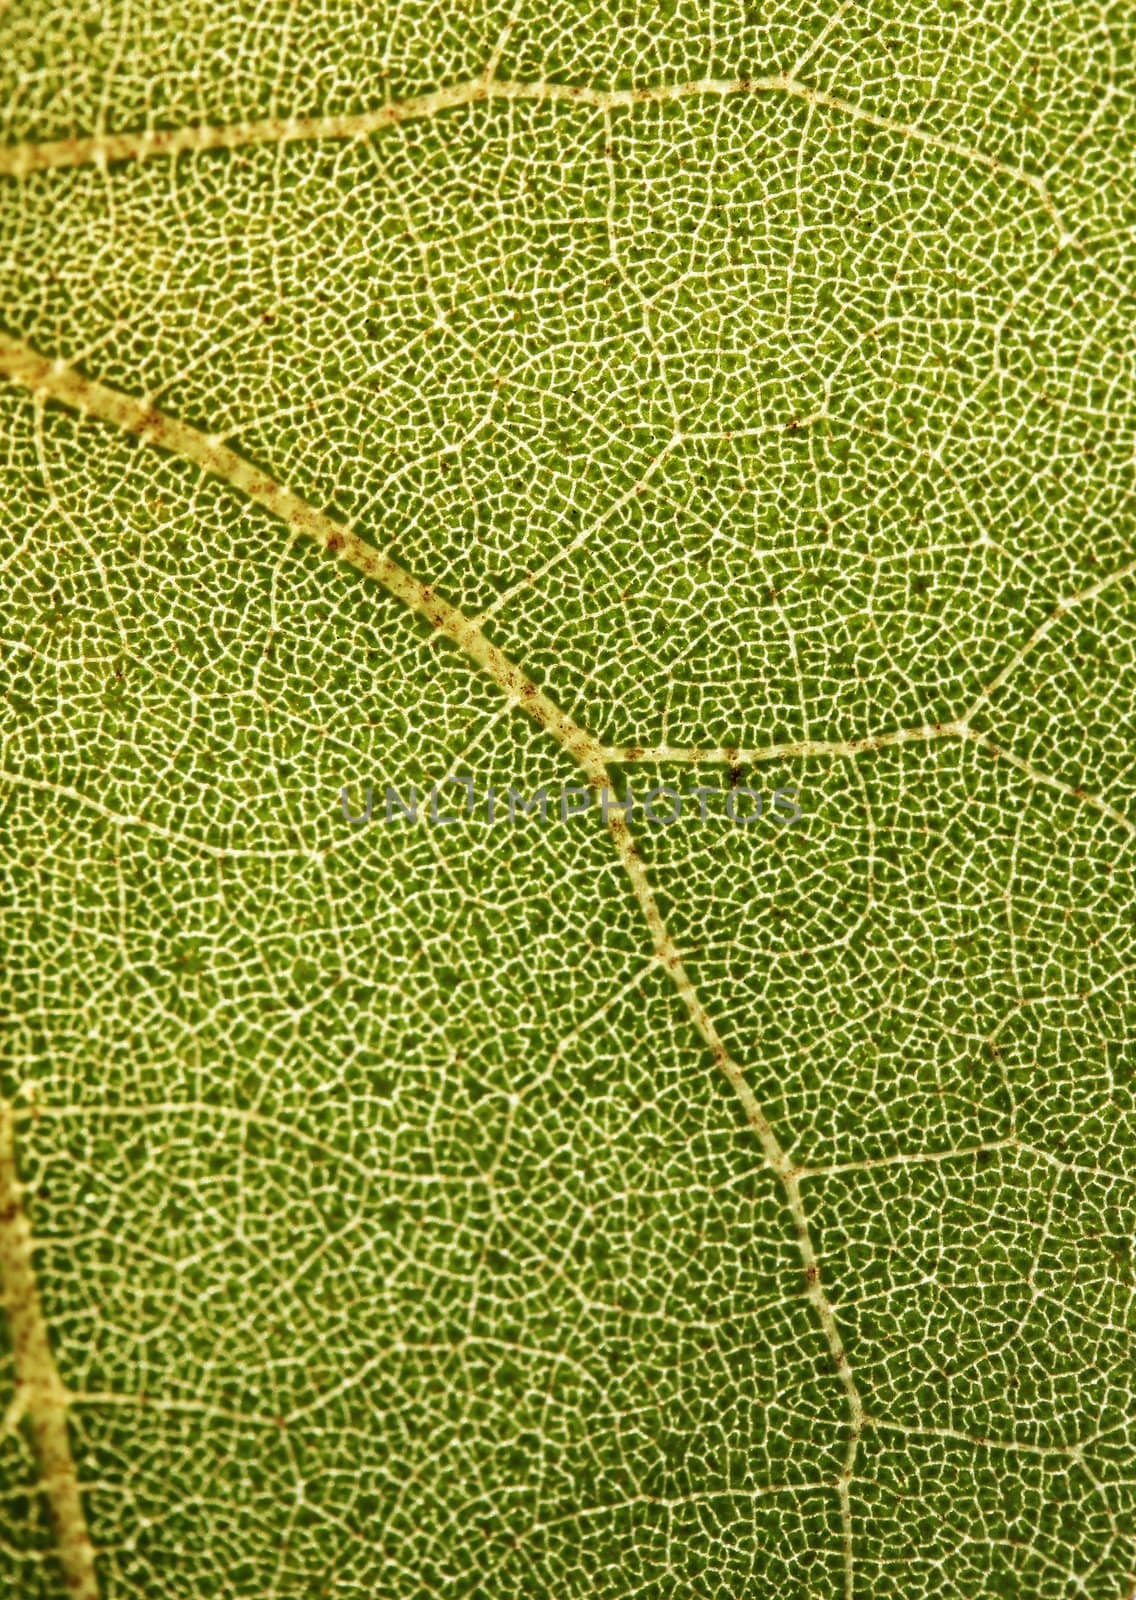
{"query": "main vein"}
{"type": "Point", "coordinates": [101, 148]}
{"type": "Point", "coordinates": [50, 380]}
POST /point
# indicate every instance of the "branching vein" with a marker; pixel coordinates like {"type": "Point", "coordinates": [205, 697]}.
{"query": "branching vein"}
{"type": "Point", "coordinates": [101, 149]}
{"type": "Point", "coordinates": [50, 380]}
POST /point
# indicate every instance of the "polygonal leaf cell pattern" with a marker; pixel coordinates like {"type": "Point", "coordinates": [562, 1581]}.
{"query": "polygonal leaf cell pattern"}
{"type": "Point", "coordinates": [727, 406]}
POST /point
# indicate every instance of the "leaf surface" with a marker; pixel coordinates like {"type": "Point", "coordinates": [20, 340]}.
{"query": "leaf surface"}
{"type": "Point", "coordinates": [570, 399]}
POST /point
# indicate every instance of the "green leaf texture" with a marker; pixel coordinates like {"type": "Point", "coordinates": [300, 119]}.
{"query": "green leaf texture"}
{"type": "Point", "coordinates": [678, 394]}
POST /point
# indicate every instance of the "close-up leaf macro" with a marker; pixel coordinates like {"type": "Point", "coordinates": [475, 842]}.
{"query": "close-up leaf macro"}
{"type": "Point", "coordinates": [567, 821]}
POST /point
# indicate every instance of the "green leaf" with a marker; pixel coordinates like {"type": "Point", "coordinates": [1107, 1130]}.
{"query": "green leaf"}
{"type": "Point", "coordinates": [591, 401]}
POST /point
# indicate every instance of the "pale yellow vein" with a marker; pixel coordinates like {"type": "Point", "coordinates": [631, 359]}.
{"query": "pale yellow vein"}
{"type": "Point", "coordinates": [40, 1394]}
{"type": "Point", "coordinates": [49, 380]}
{"type": "Point", "coordinates": [101, 149]}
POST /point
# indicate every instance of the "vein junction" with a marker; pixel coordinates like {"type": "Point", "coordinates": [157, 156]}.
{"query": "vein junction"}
{"type": "Point", "coordinates": [101, 149]}
{"type": "Point", "coordinates": [49, 380]}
